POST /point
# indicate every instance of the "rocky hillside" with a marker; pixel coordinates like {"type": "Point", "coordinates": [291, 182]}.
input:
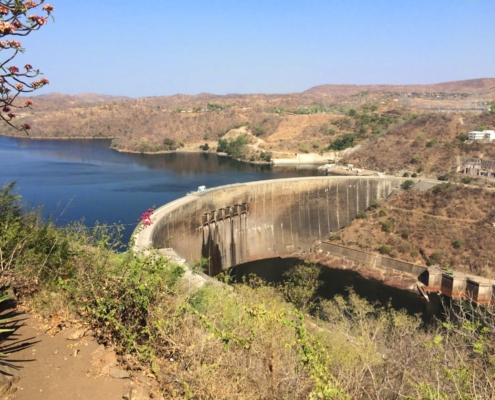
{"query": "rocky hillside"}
{"type": "Point", "coordinates": [451, 225]}
{"type": "Point", "coordinates": [429, 144]}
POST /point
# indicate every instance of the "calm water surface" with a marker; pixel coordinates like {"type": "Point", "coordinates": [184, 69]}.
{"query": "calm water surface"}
{"type": "Point", "coordinates": [86, 179]}
{"type": "Point", "coordinates": [338, 282]}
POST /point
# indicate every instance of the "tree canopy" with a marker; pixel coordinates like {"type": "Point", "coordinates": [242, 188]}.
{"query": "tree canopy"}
{"type": "Point", "coordinates": [18, 18]}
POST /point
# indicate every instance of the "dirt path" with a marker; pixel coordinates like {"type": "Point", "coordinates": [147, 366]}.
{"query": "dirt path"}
{"type": "Point", "coordinates": [68, 365]}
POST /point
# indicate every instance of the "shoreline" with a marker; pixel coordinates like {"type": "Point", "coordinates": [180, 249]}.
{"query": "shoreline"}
{"type": "Point", "coordinates": [276, 162]}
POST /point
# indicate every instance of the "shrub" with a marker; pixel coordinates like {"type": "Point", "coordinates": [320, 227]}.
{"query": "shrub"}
{"type": "Point", "coordinates": [467, 179]}
{"type": "Point", "coordinates": [421, 168]}
{"type": "Point", "coordinates": [414, 175]}
{"type": "Point", "coordinates": [343, 143]}
{"type": "Point", "coordinates": [444, 177]}
{"type": "Point", "coordinates": [435, 258]}
{"type": "Point", "coordinates": [236, 148]}
{"type": "Point", "coordinates": [404, 247]}
{"type": "Point", "coordinates": [407, 184]}
{"type": "Point", "coordinates": [416, 159]}
{"type": "Point", "coordinates": [431, 143]}
{"type": "Point", "coordinates": [170, 144]}
{"type": "Point", "coordinates": [334, 236]}
{"type": "Point", "coordinates": [361, 215]}
{"type": "Point", "coordinates": [375, 204]}
{"type": "Point", "coordinates": [405, 174]}
{"type": "Point", "coordinates": [301, 285]}
{"type": "Point", "coordinates": [303, 147]}
{"type": "Point", "coordinates": [387, 225]}
{"type": "Point", "coordinates": [384, 249]}
{"type": "Point", "coordinates": [458, 243]}
{"type": "Point", "coordinates": [382, 212]}
{"type": "Point", "coordinates": [463, 137]}
{"type": "Point", "coordinates": [204, 147]}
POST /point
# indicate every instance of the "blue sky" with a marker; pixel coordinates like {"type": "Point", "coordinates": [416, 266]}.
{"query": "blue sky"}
{"type": "Point", "coordinates": [271, 46]}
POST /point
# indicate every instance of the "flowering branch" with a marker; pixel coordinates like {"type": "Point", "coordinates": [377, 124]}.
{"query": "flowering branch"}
{"type": "Point", "coordinates": [15, 21]}
{"type": "Point", "coordinates": [145, 219]}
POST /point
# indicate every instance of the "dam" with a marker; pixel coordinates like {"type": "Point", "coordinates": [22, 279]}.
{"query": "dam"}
{"type": "Point", "coordinates": [235, 224]}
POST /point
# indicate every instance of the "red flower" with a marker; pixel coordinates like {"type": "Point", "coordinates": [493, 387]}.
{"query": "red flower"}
{"type": "Point", "coordinates": [13, 69]}
{"type": "Point", "coordinates": [19, 86]}
{"type": "Point", "coordinates": [26, 127]}
{"type": "Point", "coordinates": [11, 115]}
{"type": "Point", "coordinates": [29, 103]}
{"type": "Point", "coordinates": [49, 8]}
{"type": "Point", "coordinates": [6, 109]}
{"type": "Point", "coordinates": [4, 10]}
{"type": "Point", "coordinates": [28, 67]}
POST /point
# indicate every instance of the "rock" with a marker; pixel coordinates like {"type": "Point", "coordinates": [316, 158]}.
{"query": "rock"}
{"type": "Point", "coordinates": [99, 352]}
{"type": "Point", "coordinates": [118, 373]}
{"type": "Point", "coordinates": [75, 334]}
{"type": "Point", "coordinates": [110, 359]}
{"type": "Point", "coordinates": [133, 392]}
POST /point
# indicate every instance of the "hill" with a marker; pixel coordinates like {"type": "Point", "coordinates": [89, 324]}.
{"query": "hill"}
{"type": "Point", "coordinates": [451, 225]}
{"type": "Point", "coordinates": [478, 86]}
{"type": "Point", "coordinates": [325, 119]}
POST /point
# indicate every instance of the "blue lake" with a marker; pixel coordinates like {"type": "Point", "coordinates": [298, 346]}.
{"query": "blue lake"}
{"type": "Point", "coordinates": [79, 179]}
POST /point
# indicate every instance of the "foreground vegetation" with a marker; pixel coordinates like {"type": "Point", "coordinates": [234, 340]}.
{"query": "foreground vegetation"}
{"type": "Point", "coordinates": [243, 341]}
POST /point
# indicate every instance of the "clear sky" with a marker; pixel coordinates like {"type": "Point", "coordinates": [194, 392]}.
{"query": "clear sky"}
{"type": "Point", "coordinates": [161, 47]}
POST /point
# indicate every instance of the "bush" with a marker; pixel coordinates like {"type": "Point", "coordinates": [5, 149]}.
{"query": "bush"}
{"type": "Point", "coordinates": [384, 249]}
{"type": "Point", "coordinates": [416, 159]}
{"type": "Point", "coordinates": [463, 137]}
{"type": "Point", "coordinates": [235, 148]}
{"type": "Point", "coordinates": [334, 236]}
{"type": "Point", "coordinates": [170, 144]}
{"type": "Point", "coordinates": [407, 185]}
{"type": "Point", "coordinates": [204, 147]}
{"type": "Point", "coordinates": [375, 204]}
{"type": "Point", "coordinates": [458, 243]}
{"type": "Point", "coordinates": [421, 168]}
{"type": "Point", "coordinates": [387, 225]}
{"type": "Point", "coordinates": [343, 143]}
{"type": "Point", "coordinates": [382, 212]}
{"type": "Point", "coordinates": [467, 179]}
{"type": "Point", "coordinates": [443, 177]}
{"type": "Point", "coordinates": [404, 247]}
{"type": "Point", "coordinates": [435, 258]}
{"type": "Point", "coordinates": [414, 175]}
{"type": "Point", "coordinates": [405, 174]}
{"type": "Point", "coordinates": [431, 143]}
{"type": "Point", "coordinates": [361, 215]}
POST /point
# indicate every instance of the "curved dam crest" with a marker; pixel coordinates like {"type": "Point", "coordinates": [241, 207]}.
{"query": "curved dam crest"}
{"type": "Point", "coordinates": [240, 223]}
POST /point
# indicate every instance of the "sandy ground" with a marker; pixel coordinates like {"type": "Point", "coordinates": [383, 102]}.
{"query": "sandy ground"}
{"type": "Point", "coordinates": [42, 366]}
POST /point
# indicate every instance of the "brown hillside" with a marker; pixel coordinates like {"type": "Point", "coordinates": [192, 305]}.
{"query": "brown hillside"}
{"type": "Point", "coordinates": [479, 86]}
{"type": "Point", "coordinates": [429, 142]}
{"type": "Point", "coordinates": [291, 123]}
{"type": "Point", "coordinates": [450, 225]}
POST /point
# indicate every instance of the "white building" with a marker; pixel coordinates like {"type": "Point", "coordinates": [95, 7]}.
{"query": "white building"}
{"type": "Point", "coordinates": [482, 135]}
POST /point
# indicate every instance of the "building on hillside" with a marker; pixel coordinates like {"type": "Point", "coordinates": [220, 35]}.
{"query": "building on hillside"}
{"type": "Point", "coordinates": [482, 135]}
{"type": "Point", "coordinates": [477, 167]}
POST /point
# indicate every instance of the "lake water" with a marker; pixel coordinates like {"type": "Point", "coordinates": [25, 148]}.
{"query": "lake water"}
{"type": "Point", "coordinates": [79, 179]}
{"type": "Point", "coordinates": [338, 282]}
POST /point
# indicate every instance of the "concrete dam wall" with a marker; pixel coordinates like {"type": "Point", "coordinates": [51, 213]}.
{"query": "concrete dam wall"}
{"type": "Point", "coordinates": [239, 223]}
